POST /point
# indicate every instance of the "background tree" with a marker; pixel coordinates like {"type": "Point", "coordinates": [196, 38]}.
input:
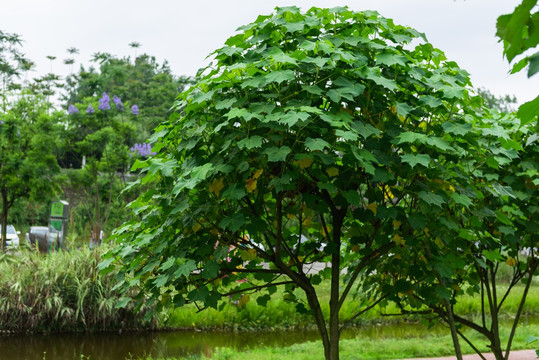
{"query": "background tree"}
{"type": "Point", "coordinates": [95, 146]}
{"type": "Point", "coordinates": [12, 65]}
{"type": "Point", "coordinates": [143, 81]}
{"type": "Point", "coordinates": [313, 138]}
{"type": "Point", "coordinates": [27, 162]}
{"type": "Point", "coordinates": [463, 246]}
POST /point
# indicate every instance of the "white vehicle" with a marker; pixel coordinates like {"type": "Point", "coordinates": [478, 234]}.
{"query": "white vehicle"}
{"type": "Point", "coordinates": [12, 236]}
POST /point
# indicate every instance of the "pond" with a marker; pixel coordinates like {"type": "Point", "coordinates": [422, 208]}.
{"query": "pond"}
{"type": "Point", "coordinates": [114, 346]}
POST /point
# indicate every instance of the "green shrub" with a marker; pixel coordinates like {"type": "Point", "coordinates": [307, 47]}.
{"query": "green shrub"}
{"type": "Point", "coordinates": [61, 291]}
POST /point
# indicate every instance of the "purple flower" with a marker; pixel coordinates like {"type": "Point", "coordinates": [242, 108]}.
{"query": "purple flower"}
{"type": "Point", "coordinates": [72, 109]}
{"type": "Point", "coordinates": [104, 102]}
{"type": "Point", "coordinates": [1, 122]}
{"type": "Point", "coordinates": [134, 110]}
{"type": "Point", "coordinates": [143, 150]}
{"type": "Point", "coordinates": [18, 133]}
{"type": "Point", "coordinates": [90, 109]}
{"type": "Point", "coordinates": [118, 102]}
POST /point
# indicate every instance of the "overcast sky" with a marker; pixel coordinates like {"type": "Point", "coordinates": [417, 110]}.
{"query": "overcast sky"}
{"type": "Point", "coordinates": [185, 32]}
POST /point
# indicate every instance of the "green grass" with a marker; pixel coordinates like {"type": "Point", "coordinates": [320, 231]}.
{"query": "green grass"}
{"type": "Point", "coordinates": [279, 313]}
{"type": "Point", "coordinates": [367, 348]}
{"type": "Point", "coordinates": [60, 291]}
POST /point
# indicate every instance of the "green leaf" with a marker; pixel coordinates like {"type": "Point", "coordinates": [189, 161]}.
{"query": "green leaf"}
{"type": "Point", "coordinates": [457, 128]}
{"type": "Point", "coordinates": [411, 137]}
{"type": "Point", "coordinates": [417, 221]}
{"type": "Point", "coordinates": [199, 294]}
{"type": "Point", "coordinates": [280, 76]}
{"type": "Point", "coordinates": [492, 255]}
{"type": "Point", "coordinates": [528, 111]}
{"type": "Point", "coordinates": [233, 223]}
{"type": "Point", "coordinates": [211, 269]}
{"type": "Point", "coordinates": [201, 172]}
{"type": "Point", "coordinates": [365, 129]}
{"type": "Point", "coordinates": [139, 165]}
{"type": "Point", "coordinates": [390, 59]}
{"type": "Point", "coordinates": [292, 117]}
{"type": "Point", "coordinates": [404, 109]}
{"type": "Point", "coordinates": [430, 101]}
{"type": "Point", "coordinates": [316, 144]}
{"type": "Point", "coordinates": [413, 160]}
{"type": "Point", "coordinates": [431, 198]}
{"type": "Point", "coordinates": [462, 199]}
{"type": "Point", "coordinates": [167, 264]}
{"type": "Point", "coordinates": [372, 74]}
{"type": "Point", "coordinates": [276, 154]}
{"type": "Point", "coordinates": [250, 142]}
{"type": "Point", "coordinates": [122, 302]}
{"type": "Point", "coordinates": [439, 143]}
{"type": "Point", "coordinates": [186, 268]}
{"type": "Point", "coordinates": [160, 280]}
{"type": "Point", "coordinates": [234, 192]}
{"type": "Point", "coordinates": [263, 300]}
{"type": "Point", "coordinates": [534, 64]}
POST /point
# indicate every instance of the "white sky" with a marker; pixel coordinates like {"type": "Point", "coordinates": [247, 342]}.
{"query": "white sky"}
{"type": "Point", "coordinates": [185, 32]}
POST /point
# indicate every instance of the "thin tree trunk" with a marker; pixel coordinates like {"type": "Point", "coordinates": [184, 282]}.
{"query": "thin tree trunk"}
{"type": "Point", "coordinates": [453, 328]}
{"type": "Point", "coordinates": [495, 345]}
{"type": "Point", "coordinates": [3, 222]}
{"type": "Point", "coordinates": [520, 307]}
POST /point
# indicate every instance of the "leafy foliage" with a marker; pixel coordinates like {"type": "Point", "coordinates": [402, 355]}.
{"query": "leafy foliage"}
{"type": "Point", "coordinates": [27, 162]}
{"type": "Point", "coordinates": [323, 136]}
{"type": "Point", "coordinates": [519, 32]}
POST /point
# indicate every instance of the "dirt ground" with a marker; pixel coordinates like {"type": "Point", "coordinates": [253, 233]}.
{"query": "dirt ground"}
{"type": "Point", "coordinates": [514, 355]}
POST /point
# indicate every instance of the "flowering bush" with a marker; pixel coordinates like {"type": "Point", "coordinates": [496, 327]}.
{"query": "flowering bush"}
{"type": "Point", "coordinates": [143, 149]}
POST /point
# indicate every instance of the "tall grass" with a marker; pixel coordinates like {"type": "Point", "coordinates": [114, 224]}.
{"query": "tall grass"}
{"type": "Point", "coordinates": [282, 314]}
{"type": "Point", "coordinates": [60, 291]}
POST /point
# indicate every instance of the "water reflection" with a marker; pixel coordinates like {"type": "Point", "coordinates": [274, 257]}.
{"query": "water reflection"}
{"type": "Point", "coordinates": [113, 346]}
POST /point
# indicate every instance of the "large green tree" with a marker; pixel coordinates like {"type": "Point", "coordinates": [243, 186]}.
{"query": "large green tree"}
{"type": "Point", "coordinates": [27, 162]}
{"type": "Point", "coordinates": [315, 137]}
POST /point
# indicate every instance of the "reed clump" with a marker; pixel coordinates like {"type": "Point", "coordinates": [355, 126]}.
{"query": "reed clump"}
{"type": "Point", "coordinates": [61, 291]}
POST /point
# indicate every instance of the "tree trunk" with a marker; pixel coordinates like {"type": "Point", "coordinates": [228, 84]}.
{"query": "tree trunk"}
{"type": "Point", "coordinates": [3, 220]}
{"type": "Point", "coordinates": [452, 326]}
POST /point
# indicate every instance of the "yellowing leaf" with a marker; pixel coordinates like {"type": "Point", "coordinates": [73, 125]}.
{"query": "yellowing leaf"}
{"type": "Point", "coordinates": [399, 240]}
{"type": "Point", "coordinates": [307, 221]}
{"type": "Point", "coordinates": [388, 195]}
{"type": "Point", "coordinates": [511, 261]}
{"type": "Point", "coordinates": [439, 242]}
{"type": "Point", "coordinates": [305, 163]}
{"type": "Point", "coordinates": [396, 224]}
{"type": "Point", "coordinates": [290, 216]}
{"type": "Point", "coordinates": [216, 186]}
{"type": "Point", "coordinates": [356, 248]}
{"type": "Point", "coordinates": [196, 227]}
{"type": "Point", "coordinates": [257, 174]}
{"type": "Point", "coordinates": [372, 207]}
{"type": "Point", "coordinates": [244, 300]}
{"type": "Point", "coordinates": [248, 255]}
{"type": "Point", "coordinates": [332, 171]}
{"type": "Point", "coordinates": [250, 184]}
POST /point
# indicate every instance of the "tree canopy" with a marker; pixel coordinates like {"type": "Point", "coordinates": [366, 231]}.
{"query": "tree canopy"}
{"type": "Point", "coordinates": [324, 136]}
